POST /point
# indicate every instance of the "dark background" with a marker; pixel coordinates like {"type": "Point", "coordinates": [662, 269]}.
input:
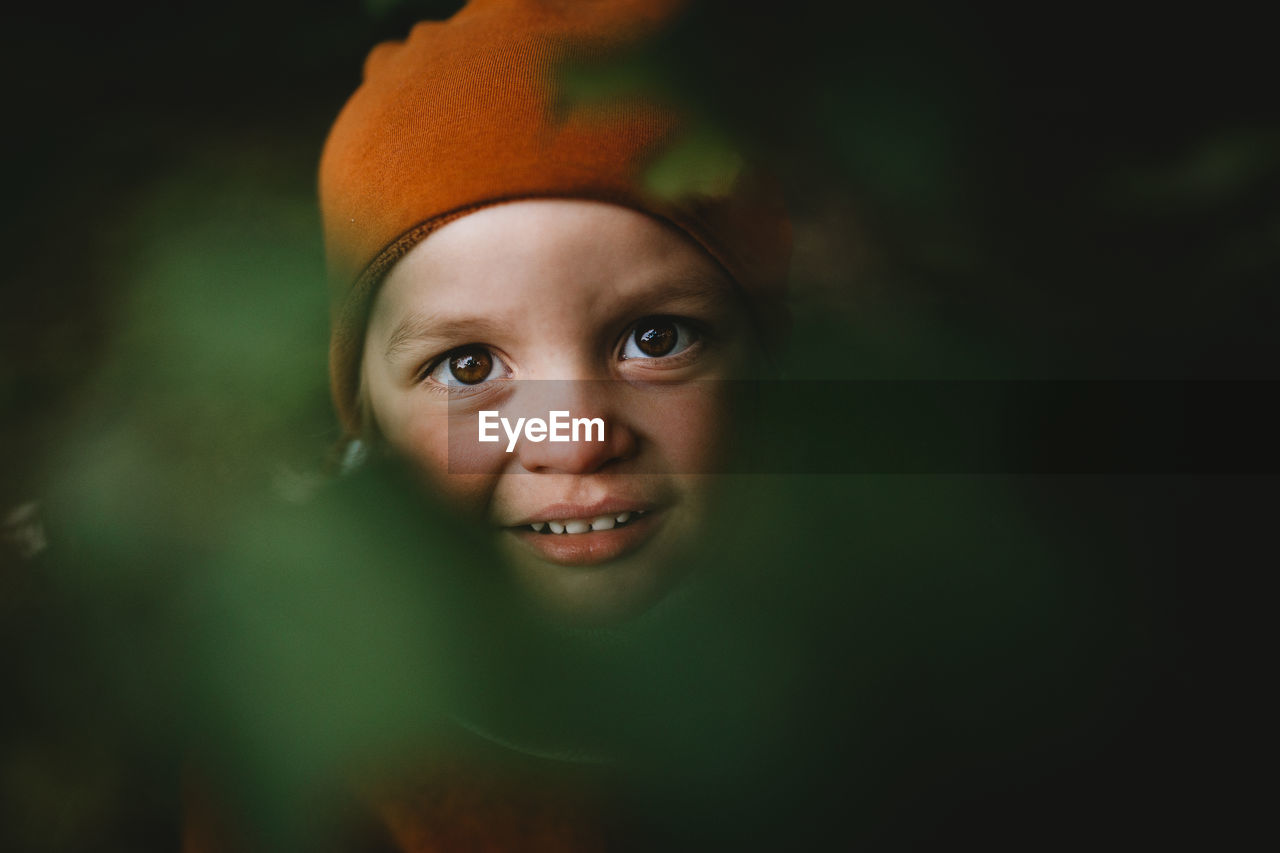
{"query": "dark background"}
{"type": "Point", "coordinates": [1088, 192]}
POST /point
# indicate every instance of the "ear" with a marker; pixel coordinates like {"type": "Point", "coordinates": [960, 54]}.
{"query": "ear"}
{"type": "Point", "coordinates": [352, 456]}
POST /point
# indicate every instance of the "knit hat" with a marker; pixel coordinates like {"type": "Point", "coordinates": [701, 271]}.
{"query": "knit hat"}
{"type": "Point", "coordinates": [469, 112]}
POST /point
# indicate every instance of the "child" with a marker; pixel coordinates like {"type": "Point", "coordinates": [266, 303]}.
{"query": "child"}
{"type": "Point", "coordinates": [482, 233]}
{"type": "Point", "coordinates": [493, 249]}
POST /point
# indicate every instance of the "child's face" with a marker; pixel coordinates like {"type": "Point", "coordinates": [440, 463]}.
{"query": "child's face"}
{"type": "Point", "coordinates": [576, 292]}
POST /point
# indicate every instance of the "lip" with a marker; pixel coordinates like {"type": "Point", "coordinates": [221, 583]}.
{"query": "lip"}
{"type": "Point", "coordinates": [606, 506]}
{"type": "Point", "coordinates": [594, 547]}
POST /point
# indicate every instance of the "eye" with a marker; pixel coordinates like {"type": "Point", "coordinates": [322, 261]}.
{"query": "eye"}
{"type": "Point", "coordinates": [468, 365]}
{"type": "Point", "coordinates": [657, 337]}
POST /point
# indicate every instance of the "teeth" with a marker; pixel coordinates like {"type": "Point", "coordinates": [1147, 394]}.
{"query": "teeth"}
{"type": "Point", "coordinates": [582, 525]}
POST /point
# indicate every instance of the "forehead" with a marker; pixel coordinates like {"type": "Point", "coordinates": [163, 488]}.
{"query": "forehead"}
{"type": "Point", "coordinates": [506, 260]}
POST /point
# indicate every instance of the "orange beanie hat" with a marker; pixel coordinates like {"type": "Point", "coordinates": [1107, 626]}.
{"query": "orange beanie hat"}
{"type": "Point", "coordinates": [466, 113]}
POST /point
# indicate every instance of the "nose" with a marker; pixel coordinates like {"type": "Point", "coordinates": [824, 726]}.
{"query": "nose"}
{"type": "Point", "coordinates": [592, 408]}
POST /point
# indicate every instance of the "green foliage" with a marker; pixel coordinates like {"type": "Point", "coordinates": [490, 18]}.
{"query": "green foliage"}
{"type": "Point", "coordinates": [971, 200]}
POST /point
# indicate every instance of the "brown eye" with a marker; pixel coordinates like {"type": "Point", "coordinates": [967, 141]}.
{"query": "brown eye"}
{"type": "Point", "coordinates": [468, 365]}
{"type": "Point", "coordinates": [471, 366]}
{"type": "Point", "coordinates": [656, 337]}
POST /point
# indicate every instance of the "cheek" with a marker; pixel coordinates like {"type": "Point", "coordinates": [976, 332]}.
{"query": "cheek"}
{"type": "Point", "coordinates": [422, 438]}
{"type": "Point", "coordinates": [688, 427]}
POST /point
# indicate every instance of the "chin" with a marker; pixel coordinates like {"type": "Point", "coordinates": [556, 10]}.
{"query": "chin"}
{"type": "Point", "coordinates": [604, 577]}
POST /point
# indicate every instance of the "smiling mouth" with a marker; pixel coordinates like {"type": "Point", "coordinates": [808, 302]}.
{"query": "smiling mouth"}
{"type": "Point", "coordinates": [578, 526]}
{"type": "Point", "coordinates": [589, 541]}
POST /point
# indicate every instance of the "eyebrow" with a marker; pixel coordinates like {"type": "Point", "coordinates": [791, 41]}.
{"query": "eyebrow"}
{"type": "Point", "coordinates": [419, 327]}
{"type": "Point", "coordinates": [697, 287]}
